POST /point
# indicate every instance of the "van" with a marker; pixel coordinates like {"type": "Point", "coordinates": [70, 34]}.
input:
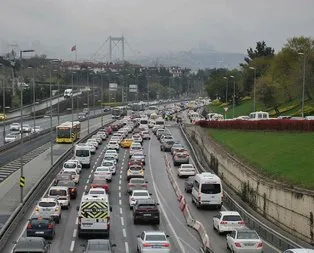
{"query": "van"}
{"type": "Point", "coordinates": [207, 190]}
{"type": "Point", "coordinates": [83, 155]}
{"type": "Point", "coordinates": [258, 115]}
{"type": "Point", "coordinates": [67, 93]}
{"type": "Point", "coordinates": [62, 194]}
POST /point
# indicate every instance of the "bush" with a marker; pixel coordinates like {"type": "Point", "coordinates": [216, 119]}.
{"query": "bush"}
{"type": "Point", "coordinates": [272, 124]}
{"type": "Point", "coordinates": [245, 98]}
{"type": "Point", "coordinates": [216, 102]}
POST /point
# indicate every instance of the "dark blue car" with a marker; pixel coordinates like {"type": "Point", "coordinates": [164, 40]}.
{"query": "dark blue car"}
{"type": "Point", "coordinates": [41, 227]}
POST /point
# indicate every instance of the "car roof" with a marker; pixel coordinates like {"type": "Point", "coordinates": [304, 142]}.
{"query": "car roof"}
{"type": "Point", "coordinates": [154, 232]}
{"type": "Point", "coordinates": [30, 243]}
{"type": "Point", "coordinates": [229, 213]}
{"type": "Point", "coordinates": [302, 250]}
{"type": "Point", "coordinates": [146, 201]}
{"type": "Point", "coordinates": [139, 191]}
{"type": "Point", "coordinates": [47, 200]}
{"type": "Point", "coordinates": [98, 241]}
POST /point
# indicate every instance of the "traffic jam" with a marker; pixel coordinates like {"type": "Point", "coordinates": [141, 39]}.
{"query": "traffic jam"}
{"type": "Point", "coordinates": [94, 210]}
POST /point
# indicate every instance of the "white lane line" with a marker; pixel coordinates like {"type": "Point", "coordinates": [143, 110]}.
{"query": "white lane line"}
{"type": "Point", "coordinates": [72, 246]}
{"type": "Point", "coordinates": [124, 232]}
{"type": "Point", "coordinates": [119, 188]}
{"type": "Point", "coordinates": [89, 175]}
{"type": "Point", "coordinates": [126, 247]}
{"type": "Point", "coordinates": [119, 194]}
{"type": "Point", "coordinates": [85, 188]}
{"type": "Point", "coordinates": [120, 181]}
{"type": "Point", "coordinates": [91, 171]}
{"type": "Point", "coordinates": [120, 203]}
{"type": "Point", "coordinates": [87, 181]}
{"type": "Point", "coordinates": [74, 232]}
{"type": "Point", "coordinates": [76, 221]}
{"type": "Point", "coordinates": [121, 210]}
{"type": "Point", "coordinates": [122, 221]}
{"type": "Point", "coordinates": [121, 172]}
{"type": "Point", "coordinates": [161, 205]}
{"type": "Point", "coordinates": [120, 176]}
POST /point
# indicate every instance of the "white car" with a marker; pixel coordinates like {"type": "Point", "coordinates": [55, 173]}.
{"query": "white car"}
{"type": "Point", "coordinates": [72, 164]}
{"type": "Point", "coordinates": [36, 129]}
{"type": "Point", "coordinates": [12, 137]}
{"type": "Point", "coordinates": [49, 207]}
{"type": "Point", "coordinates": [110, 158]}
{"type": "Point", "coordinates": [97, 138]}
{"type": "Point", "coordinates": [145, 135]}
{"type": "Point", "coordinates": [15, 127]}
{"type": "Point", "coordinates": [111, 165]}
{"type": "Point", "coordinates": [92, 147]}
{"type": "Point", "coordinates": [136, 195]}
{"type": "Point", "coordinates": [137, 138]}
{"type": "Point", "coordinates": [244, 240]}
{"type": "Point", "coordinates": [153, 242]}
{"type": "Point", "coordinates": [226, 221]}
{"type": "Point", "coordinates": [104, 172]}
{"type": "Point", "coordinates": [186, 170]}
{"type": "Point", "coordinates": [112, 152]}
{"type": "Point", "coordinates": [102, 134]}
{"type": "Point", "coordinates": [26, 128]}
{"type": "Point", "coordinates": [97, 192]}
{"type": "Point", "coordinates": [299, 250]}
{"type": "Point", "coordinates": [93, 142]}
{"type": "Point", "coordinates": [74, 173]}
{"type": "Point", "coordinates": [62, 194]}
{"type": "Point", "coordinates": [135, 147]}
{"type": "Point", "coordinates": [113, 145]}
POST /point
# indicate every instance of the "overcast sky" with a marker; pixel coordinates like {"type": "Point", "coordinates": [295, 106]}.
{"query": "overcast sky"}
{"type": "Point", "coordinates": [152, 26]}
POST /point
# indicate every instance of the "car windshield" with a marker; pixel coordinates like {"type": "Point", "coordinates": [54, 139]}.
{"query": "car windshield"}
{"type": "Point", "coordinates": [110, 158]}
{"type": "Point", "coordinates": [247, 235]}
{"type": "Point", "coordinates": [156, 238]}
{"type": "Point", "coordinates": [69, 165]}
{"type": "Point", "coordinates": [99, 182]}
{"type": "Point", "coordinates": [137, 181]}
{"type": "Point", "coordinates": [102, 170]}
{"type": "Point", "coordinates": [107, 163]}
{"type": "Point", "coordinates": [135, 168]}
{"type": "Point", "coordinates": [136, 147]}
{"type": "Point", "coordinates": [140, 194]}
{"type": "Point", "coordinates": [46, 204]}
{"type": "Point", "coordinates": [231, 218]}
{"type": "Point", "coordinates": [96, 192]}
{"type": "Point", "coordinates": [66, 183]}
{"type": "Point", "coordinates": [210, 188]}
{"type": "Point", "coordinates": [98, 247]}
{"type": "Point", "coordinates": [55, 192]}
{"type": "Point", "coordinates": [82, 153]}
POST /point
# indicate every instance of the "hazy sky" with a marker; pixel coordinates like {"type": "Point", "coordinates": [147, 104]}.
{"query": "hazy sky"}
{"type": "Point", "coordinates": [152, 26]}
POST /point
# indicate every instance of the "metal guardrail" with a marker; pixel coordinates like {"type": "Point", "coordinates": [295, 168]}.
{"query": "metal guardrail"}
{"type": "Point", "coordinates": [276, 239]}
{"type": "Point", "coordinates": [19, 213]}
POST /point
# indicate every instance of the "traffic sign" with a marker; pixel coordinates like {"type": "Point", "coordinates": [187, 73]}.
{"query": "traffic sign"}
{"type": "Point", "coordinates": [22, 181]}
{"type": "Point", "coordinates": [226, 109]}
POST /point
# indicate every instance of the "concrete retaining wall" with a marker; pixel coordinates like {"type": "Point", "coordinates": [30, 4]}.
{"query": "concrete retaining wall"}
{"type": "Point", "coordinates": [290, 208]}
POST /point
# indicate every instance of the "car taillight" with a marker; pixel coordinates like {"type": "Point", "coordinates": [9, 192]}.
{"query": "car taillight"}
{"type": "Point", "coordinates": [57, 209]}
{"type": "Point", "coordinates": [50, 226]}
{"type": "Point", "coordinates": [223, 222]}
{"type": "Point", "coordinates": [132, 199]}
{"type": "Point", "coordinates": [241, 222]}
{"type": "Point", "coordinates": [29, 225]}
{"type": "Point", "coordinates": [131, 185]}
{"type": "Point", "coordinates": [260, 245]}
{"type": "Point", "coordinates": [166, 245]}
{"type": "Point", "coordinates": [72, 190]}
{"type": "Point", "coordinates": [147, 245]}
{"type": "Point", "coordinates": [37, 209]}
{"type": "Point", "coordinates": [237, 244]}
{"type": "Point", "coordinates": [79, 219]}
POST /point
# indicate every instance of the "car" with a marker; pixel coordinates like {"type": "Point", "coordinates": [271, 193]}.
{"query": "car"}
{"type": "Point", "coordinates": [36, 129]}
{"type": "Point", "coordinates": [102, 134]}
{"type": "Point", "coordinates": [126, 143]}
{"type": "Point", "coordinates": [153, 242]}
{"type": "Point", "coordinates": [135, 147]}
{"type": "Point", "coordinates": [113, 144]}
{"type": "Point", "coordinates": [299, 250]}
{"type": "Point", "coordinates": [98, 246]}
{"type": "Point", "coordinates": [186, 170]}
{"type": "Point", "coordinates": [137, 138]}
{"type": "Point", "coordinates": [82, 116]}
{"type": "Point", "coordinates": [49, 207]}
{"type": "Point", "coordinates": [26, 128]}
{"type": "Point", "coordinates": [145, 135]}
{"type": "Point", "coordinates": [139, 156]}
{"type": "Point", "coordinates": [159, 132]}
{"type": "Point", "coordinates": [135, 171]}
{"type": "Point", "coordinates": [97, 192]}
{"type": "Point", "coordinates": [178, 150]}
{"type": "Point", "coordinates": [133, 161]}
{"type": "Point", "coordinates": [244, 240]}
{"type": "Point", "coordinates": [62, 177]}
{"type": "Point", "coordinates": [188, 184]}
{"type": "Point", "coordinates": [137, 184]}
{"type": "Point", "coordinates": [100, 183]}
{"type": "Point", "coordinates": [92, 147]}
{"type": "Point", "coordinates": [3, 117]}
{"type": "Point", "coordinates": [12, 137]}
{"type": "Point", "coordinates": [97, 138]}
{"type": "Point", "coordinates": [227, 221]}
{"type": "Point", "coordinates": [105, 171]}
{"type": "Point", "coordinates": [166, 137]}
{"type": "Point", "coordinates": [181, 158]}
{"type": "Point", "coordinates": [108, 130]}
{"type": "Point", "coordinates": [72, 164]}
{"type": "Point", "coordinates": [31, 244]}
{"type": "Point", "coordinates": [136, 195]}
{"type": "Point", "coordinates": [112, 152]}
{"type": "Point", "coordinates": [41, 226]}
{"type": "Point", "coordinates": [166, 145]}
{"type": "Point", "coordinates": [74, 173]}
{"type": "Point", "coordinates": [62, 194]}
{"type": "Point", "coordinates": [111, 165]}
{"type": "Point", "coordinates": [15, 127]}
{"type": "Point", "coordinates": [146, 210]}
{"type": "Point", "coordinates": [71, 185]}
{"type": "Point", "coordinates": [176, 146]}
{"type": "Point", "coordinates": [92, 142]}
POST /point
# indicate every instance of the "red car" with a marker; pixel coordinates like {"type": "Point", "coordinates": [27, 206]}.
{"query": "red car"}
{"type": "Point", "coordinates": [108, 130]}
{"type": "Point", "coordinates": [100, 183]}
{"type": "Point", "coordinates": [114, 127]}
{"type": "Point", "coordinates": [135, 162]}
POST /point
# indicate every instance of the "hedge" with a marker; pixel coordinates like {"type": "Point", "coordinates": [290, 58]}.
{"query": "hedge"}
{"type": "Point", "coordinates": [272, 124]}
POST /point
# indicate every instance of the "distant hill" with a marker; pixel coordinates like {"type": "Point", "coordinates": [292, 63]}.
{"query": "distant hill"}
{"type": "Point", "coordinates": [194, 59]}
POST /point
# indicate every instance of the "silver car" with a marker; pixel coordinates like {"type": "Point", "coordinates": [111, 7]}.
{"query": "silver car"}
{"type": "Point", "coordinates": [49, 207]}
{"type": "Point", "coordinates": [98, 245]}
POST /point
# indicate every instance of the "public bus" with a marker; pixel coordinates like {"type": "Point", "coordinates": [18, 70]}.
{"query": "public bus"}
{"type": "Point", "coordinates": [66, 134]}
{"type": "Point", "coordinates": [118, 112]}
{"type": "Point", "coordinates": [137, 107]}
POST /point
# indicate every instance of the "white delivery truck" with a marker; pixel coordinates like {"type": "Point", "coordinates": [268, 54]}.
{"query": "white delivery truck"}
{"type": "Point", "coordinates": [83, 155]}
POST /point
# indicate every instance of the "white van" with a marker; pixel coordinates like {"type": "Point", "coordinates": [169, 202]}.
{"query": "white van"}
{"type": "Point", "coordinates": [83, 155]}
{"type": "Point", "coordinates": [144, 122]}
{"type": "Point", "coordinates": [67, 93]}
{"type": "Point", "coordinates": [62, 194]}
{"type": "Point", "coordinates": [207, 190]}
{"type": "Point", "coordinates": [258, 115]}
{"type": "Point", "coordinates": [160, 123]}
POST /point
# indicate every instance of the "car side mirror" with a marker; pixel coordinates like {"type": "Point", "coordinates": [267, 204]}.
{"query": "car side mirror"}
{"type": "Point", "coordinates": [77, 208]}
{"type": "Point", "coordinates": [157, 204]}
{"type": "Point", "coordinates": [138, 236]}
{"type": "Point", "coordinates": [146, 182]}
{"type": "Point", "coordinates": [167, 236]}
{"type": "Point", "coordinates": [110, 208]}
{"type": "Point", "coordinates": [150, 194]}
{"type": "Point", "coordinates": [113, 245]}
{"type": "Point", "coordinates": [49, 242]}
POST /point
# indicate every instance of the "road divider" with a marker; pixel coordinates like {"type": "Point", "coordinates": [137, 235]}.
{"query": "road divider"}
{"type": "Point", "coordinates": [184, 207]}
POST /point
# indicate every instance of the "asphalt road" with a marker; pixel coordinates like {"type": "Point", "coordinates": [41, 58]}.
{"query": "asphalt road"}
{"type": "Point", "coordinates": [123, 231]}
{"type": "Point", "coordinates": [205, 216]}
{"type": "Point", "coordinates": [44, 123]}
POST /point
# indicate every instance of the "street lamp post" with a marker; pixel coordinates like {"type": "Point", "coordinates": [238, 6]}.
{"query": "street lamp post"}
{"type": "Point", "coordinates": [102, 100]}
{"type": "Point", "coordinates": [72, 80]}
{"type": "Point", "coordinates": [233, 101]}
{"type": "Point", "coordinates": [88, 112]}
{"type": "Point", "coordinates": [51, 139]}
{"type": "Point", "coordinates": [303, 85]}
{"type": "Point", "coordinates": [226, 78]}
{"type": "Point", "coordinates": [254, 89]}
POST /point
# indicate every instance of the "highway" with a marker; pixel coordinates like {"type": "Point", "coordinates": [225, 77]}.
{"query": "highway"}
{"type": "Point", "coordinates": [205, 216]}
{"type": "Point", "coordinates": [123, 231]}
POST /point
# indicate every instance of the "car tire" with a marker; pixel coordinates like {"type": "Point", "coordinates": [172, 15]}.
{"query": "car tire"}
{"type": "Point", "coordinates": [135, 221]}
{"type": "Point", "coordinates": [157, 222]}
{"type": "Point", "coordinates": [57, 220]}
{"type": "Point", "coordinates": [131, 207]}
{"type": "Point", "coordinates": [110, 180]}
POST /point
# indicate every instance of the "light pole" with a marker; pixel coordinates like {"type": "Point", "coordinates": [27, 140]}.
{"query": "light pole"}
{"type": "Point", "coordinates": [233, 101]}
{"type": "Point", "coordinates": [21, 130]}
{"type": "Point", "coordinates": [226, 78]}
{"type": "Point", "coordinates": [102, 100]}
{"type": "Point", "coordinates": [3, 104]}
{"type": "Point", "coordinates": [51, 140]}
{"type": "Point", "coordinates": [72, 81]}
{"type": "Point", "coordinates": [88, 112]}
{"type": "Point", "coordinates": [303, 86]}
{"type": "Point", "coordinates": [254, 89]}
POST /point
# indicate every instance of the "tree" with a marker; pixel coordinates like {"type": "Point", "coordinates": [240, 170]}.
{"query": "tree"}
{"type": "Point", "coordinates": [261, 50]}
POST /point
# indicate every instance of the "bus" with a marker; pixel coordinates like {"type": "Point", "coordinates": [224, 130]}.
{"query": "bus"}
{"type": "Point", "coordinates": [137, 107]}
{"type": "Point", "coordinates": [66, 134]}
{"type": "Point", "coordinates": [118, 112]}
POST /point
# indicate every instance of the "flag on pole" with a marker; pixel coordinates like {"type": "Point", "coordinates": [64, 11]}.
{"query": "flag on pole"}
{"type": "Point", "coordinates": [73, 48]}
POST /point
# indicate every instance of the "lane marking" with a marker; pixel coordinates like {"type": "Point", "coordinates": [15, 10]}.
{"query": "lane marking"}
{"type": "Point", "coordinates": [120, 176]}
{"type": "Point", "coordinates": [87, 181]}
{"type": "Point", "coordinates": [124, 232]}
{"type": "Point", "coordinates": [126, 247]}
{"type": "Point", "coordinates": [122, 221]}
{"type": "Point", "coordinates": [91, 171]}
{"type": "Point", "coordinates": [119, 188]}
{"type": "Point", "coordinates": [120, 203]}
{"type": "Point", "coordinates": [89, 175]}
{"type": "Point", "coordinates": [120, 180]}
{"type": "Point", "coordinates": [85, 188]}
{"type": "Point", "coordinates": [119, 194]}
{"type": "Point", "coordinates": [120, 208]}
{"type": "Point", "coordinates": [161, 205]}
{"type": "Point", "coordinates": [76, 221]}
{"type": "Point", "coordinates": [74, 232]}
{"type": "Point", "coordinates": [72, 246]}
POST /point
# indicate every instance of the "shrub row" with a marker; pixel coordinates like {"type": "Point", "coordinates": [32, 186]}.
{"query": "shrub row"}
{"type": "Point", "coordinates": [272, 124]}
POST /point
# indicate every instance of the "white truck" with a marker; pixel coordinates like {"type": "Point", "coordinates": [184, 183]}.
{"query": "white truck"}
{"type": "Point", "coordinates": [82, 153]}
